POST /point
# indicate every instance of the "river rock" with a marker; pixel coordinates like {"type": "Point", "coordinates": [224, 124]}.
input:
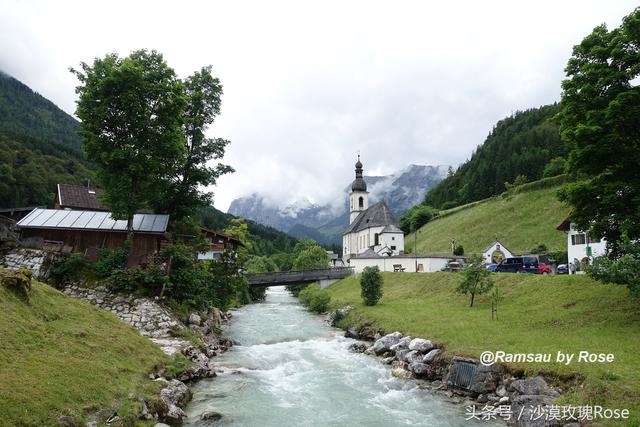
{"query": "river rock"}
{"type": "Point", "coordinates": [401, 354]}
{"type": "Point", "coordinates": [384, 344]}
{"type": "Point", "coordinates": [413, 357]}
{"type": "Point", "coordinates": [211, 416]}
{"type": "Point", "coordinates": [402, 344]}
{"type": "Point", "coordinates": [419, 369]}
{"type": "Point", "coordinates": [420, 344]}
{"type": "Point", "coordinates": [428, 358]}
{"type": "Point", "coordinates": [162, 425]}
{"type": "Point", "coordinates": [358, 347]}
{"type": "Point", "coordinates": [194, 319]}
{"type": "Point", "coordinates": [486, 378]}
{"type": "Point", "coordinates": [352, 332]}
{"type": "Point", "coordinates": [533, 386]}
{"type": "Point", "coordinates": [501, 391]}
{"type": "Point", "coordinates": [400, 373]}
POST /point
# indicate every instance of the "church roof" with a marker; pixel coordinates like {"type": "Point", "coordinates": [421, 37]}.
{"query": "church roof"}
{"type": "Point", "coordinates": [392, 228]}
{"type": "Point", "coordinates": [376, 216]}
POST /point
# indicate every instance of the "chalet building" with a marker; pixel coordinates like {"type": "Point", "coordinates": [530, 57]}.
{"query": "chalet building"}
{"type": "Point", "coordinates": [218, 243]}
{"type": "Point", "coordinates": [88, 231]}
{"type": "Point", "coordinates": [496, 252]}
{"type": "Point", "coordinates": [581, 248]}
{"type": "Point", "coordinates": [78, 197]}
{"type": "Point", "coordinates": [371, 228]}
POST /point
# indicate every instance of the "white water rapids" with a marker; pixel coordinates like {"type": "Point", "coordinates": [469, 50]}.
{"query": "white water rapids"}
{"type": "Point", "coordinates": [290, 369]}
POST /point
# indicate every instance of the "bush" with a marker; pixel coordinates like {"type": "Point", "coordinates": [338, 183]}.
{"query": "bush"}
{"type": "Point", "coordinates": [73, 268]}
{"type": "Point", "coordinates": [555, 167]}
{"type": "Point", "coordinates": [110, 260]}
{"type": "Point", "coordinates": [315, 298]}
{"type": "Point", "coordinates": [371, 285]}
{"type": "Point", "coordinates": [138, 281]}
{"type": "Point", "coordinates": [296, 288]}
{"type": "Point", "coordinates": [458, 250]}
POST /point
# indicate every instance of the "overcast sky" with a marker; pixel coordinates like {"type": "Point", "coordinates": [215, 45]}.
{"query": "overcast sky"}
{"type": "Point", "coordinates": [308, 84]}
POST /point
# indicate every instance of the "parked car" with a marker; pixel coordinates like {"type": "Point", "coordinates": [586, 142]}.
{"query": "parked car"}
{"type": "Point", "coordinates": [453, 266]}
{"type": "Point", "coordinates": [492, 267]}
{"type": "Point", "coordinates": [562, 269]}
{"type": "Point", "coordinates": [544, 268]}
{"type": "Point", "coordinates": [519, 264]}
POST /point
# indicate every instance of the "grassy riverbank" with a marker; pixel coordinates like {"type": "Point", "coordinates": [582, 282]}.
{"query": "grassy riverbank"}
{"type": "Point", "coordinates": [61, 356]}
{"type": "Point", "coordinates": [539, 314]}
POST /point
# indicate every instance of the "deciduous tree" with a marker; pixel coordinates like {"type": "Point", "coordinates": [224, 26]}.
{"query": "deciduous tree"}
{"type": "Point", "coordinates": [600, 122]}
{"type": "Point", "coordinates": [475, 279]}
{"type": "Point", "coordinates": [132, 114]}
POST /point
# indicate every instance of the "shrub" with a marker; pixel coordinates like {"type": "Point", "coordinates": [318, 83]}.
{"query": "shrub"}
{"type": "Point", "coordinates": [540, 249]}
{"type": "Point", "coordinates": [110, 260]}
{"type": "Point", "coordinates": [138, 281]}
{"type": "Point", "coordinates": [296, 288]}
{"type": "Point", "coordinates": [458, 250]}
{"type": "Point", "coordinates": [371, 285]}
{"type": "Point", "coordinates": [73, 268]}
{"type": "Point", "coordinates": [315, 298]}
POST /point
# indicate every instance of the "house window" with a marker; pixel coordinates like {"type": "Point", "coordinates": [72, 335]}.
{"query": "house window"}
{"type": "Point", "coordinates": [578, 239]}
{"type": "Point", "coordinates": [361, 202]}
{"type": "Point", "coordinates": [393, 248]}
{"type": "Point", "coordinates": [593, 239]}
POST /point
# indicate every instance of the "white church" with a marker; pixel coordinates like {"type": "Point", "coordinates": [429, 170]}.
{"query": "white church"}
{"type": "Point", "coordinates": [371, 229]}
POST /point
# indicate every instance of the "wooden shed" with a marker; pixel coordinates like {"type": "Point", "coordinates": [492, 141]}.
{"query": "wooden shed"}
{"type": "Point", "coordinates": [87, 231]}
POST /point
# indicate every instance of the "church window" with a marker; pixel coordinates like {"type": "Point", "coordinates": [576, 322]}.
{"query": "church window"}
{"type": "Point", "coordinates": [376, 239]}
{"type": "Point", "coordinates": [393, 248]}
{"type": "Point", "coordinates": [361, 202]}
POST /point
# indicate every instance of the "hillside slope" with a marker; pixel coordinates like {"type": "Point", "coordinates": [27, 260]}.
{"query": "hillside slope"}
{"type": "Point", "coordinates": [521, 222]}
{"type": "Point", "coordinates": [522, 144]}
{"type": "Point", "coordinates": [61, 356]}
{"type": "Point", "coordinates": [539, 314]}
{"type": "Point", "coordinates": [39, 147]}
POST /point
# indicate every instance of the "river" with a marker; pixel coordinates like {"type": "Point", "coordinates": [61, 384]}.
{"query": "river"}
{"type": "Point", "coordinates": [290, 369]}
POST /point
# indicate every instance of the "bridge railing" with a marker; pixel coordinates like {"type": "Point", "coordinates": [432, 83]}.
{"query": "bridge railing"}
{"type": "Point", "coordinates": [299, 276]}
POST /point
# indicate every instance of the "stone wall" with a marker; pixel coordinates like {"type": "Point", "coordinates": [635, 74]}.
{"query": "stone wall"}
{"type": "Point", "coordinates": [146, 315]}
{"type": "Point", "coordinates": [37, 260]}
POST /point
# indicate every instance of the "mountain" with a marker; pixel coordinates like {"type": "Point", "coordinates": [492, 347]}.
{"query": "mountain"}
{"type": "Point", "coordinates": [325, 223]}
{"type": "Point", "coordinates": [521, 145]}
{"type": "Point", "coordinates": [39, 147]}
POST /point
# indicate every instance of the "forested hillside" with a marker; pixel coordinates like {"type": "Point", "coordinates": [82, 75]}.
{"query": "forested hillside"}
{"type": "Point", "coordinates": [523, 144]}
{"type": "Point", "coordinates": [39, 147]}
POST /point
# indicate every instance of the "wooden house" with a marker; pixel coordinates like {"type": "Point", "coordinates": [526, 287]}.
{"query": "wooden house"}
{"type": "Point", "coordinates": [218, 243]}
{"type": "Point", "coordinates": [88, 231]}
{"type": "Point", "coordinates": [78, 197]}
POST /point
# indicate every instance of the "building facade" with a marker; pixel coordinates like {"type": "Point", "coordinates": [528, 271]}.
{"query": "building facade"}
{"type": "Point", "coordinates": [371, 228]}
{"type": "Point", "coordinates": [581, 248]}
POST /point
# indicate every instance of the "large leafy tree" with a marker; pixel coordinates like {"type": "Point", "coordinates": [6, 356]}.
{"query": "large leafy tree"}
{"type": "Point", "coordinates": [132, 115]}
{"type": "Point", "coordinates": [182, 195]}
{"type": "Point", "coordinates": [600, 122]}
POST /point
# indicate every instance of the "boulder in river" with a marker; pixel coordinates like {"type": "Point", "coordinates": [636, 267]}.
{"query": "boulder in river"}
{"type": "Point", "coordinates": [421, 345]}
{"type": "Point", "coordinates": [428, 358]}
{"type": "Point", "coordinates": [384, 344]}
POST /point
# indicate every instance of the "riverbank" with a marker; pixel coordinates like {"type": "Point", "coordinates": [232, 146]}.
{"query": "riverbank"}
{"type": "Point", "coordinates": [64, 362]}
{"type": "Point", "coordinates": [538, 315]}
{"type": "Point", "coordinates": [288, 368]}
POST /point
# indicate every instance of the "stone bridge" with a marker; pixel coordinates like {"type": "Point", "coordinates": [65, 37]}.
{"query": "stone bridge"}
{"type": "Point", "coordinates": [324, 276]}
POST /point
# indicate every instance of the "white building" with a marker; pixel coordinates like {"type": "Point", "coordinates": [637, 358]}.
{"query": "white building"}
{"type": "Point", "coordinates": [370, 228]}
{"type": "Point", "coordinates": [403, 263]}
{"type": "Point", "coordinates": [581, 248]}
{"type": "Point", "coordinates": [496, 252]}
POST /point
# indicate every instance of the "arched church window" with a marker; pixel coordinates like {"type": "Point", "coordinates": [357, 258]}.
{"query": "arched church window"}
{"type": "Point", "coordinates": [361, 202]}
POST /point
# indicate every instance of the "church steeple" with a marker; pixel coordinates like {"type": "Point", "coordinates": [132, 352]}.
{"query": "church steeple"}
{"type": "Point", "coordinates": [359, 197]}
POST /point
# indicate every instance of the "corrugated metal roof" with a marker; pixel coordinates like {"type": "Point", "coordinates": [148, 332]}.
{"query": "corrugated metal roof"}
{"type": "Point", "coordinates": [92, 220]}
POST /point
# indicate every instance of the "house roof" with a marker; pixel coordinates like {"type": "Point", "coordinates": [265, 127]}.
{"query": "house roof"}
{"type": "Point", "coordinates": [376, 216]}
{"type": "Point", "coordinates": [224, 236]}
{"type": "Point", "coordinates": [564, 225]}
{"type": "Point", "coordinates": [78, 196]}
{"type": "Point", "coordinates": [493, 243]}
{"type": "Point", "coordinates": [65, 219]}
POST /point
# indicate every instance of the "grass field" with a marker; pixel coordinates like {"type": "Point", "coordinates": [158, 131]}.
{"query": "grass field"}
{"type": "Point", "coordinates": [521, 222]}
{"type": "Point", "coordinates": [539, 314]}
{"type": "Point", "coordinates": [61, 356]}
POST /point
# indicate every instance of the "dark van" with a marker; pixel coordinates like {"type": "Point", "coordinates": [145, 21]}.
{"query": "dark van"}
{"type": "Point", "coordinates": [519, 264]}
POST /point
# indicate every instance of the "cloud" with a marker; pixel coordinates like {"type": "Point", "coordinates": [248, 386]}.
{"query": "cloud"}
{"type": "Point", "coordinates": [307, 85]}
